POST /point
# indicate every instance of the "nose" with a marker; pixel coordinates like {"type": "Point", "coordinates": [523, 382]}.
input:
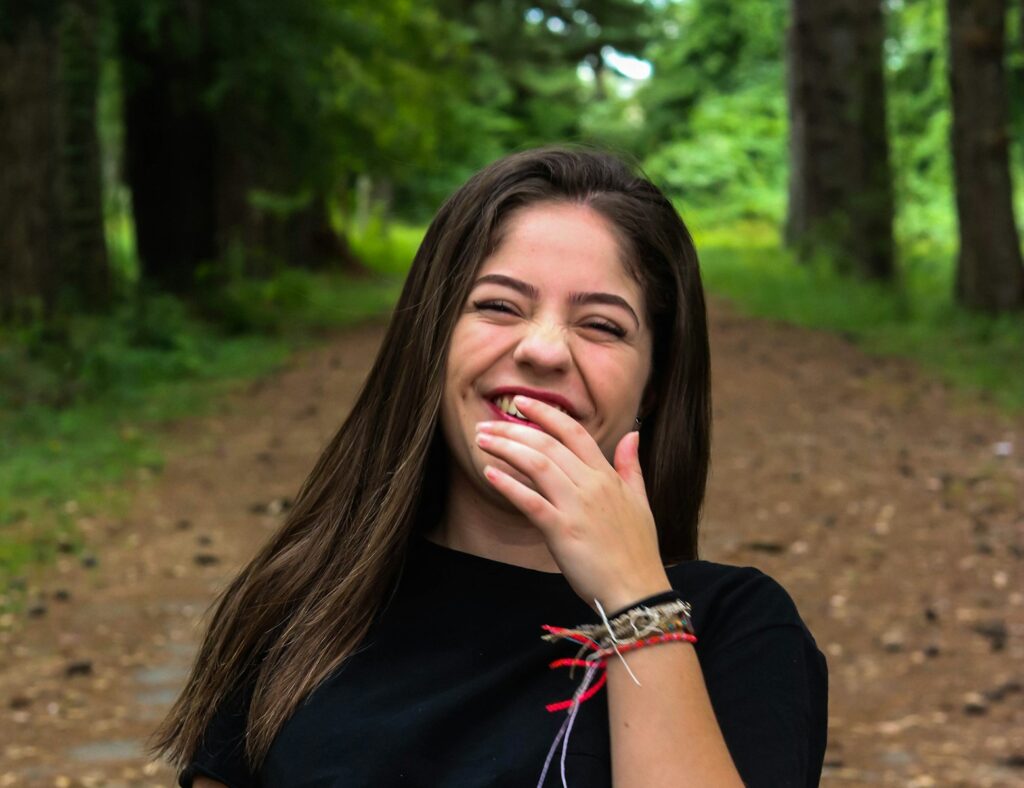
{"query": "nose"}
{"type": "Point", "coordinates": [543, 347]}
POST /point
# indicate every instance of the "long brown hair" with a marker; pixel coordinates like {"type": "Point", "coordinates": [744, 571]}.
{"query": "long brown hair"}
{"type": "Point", "coordinates": [308, 598]}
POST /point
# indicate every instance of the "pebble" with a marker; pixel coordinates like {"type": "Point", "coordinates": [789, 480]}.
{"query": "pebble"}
{"type": "Point", "coordinates": [975, 704]}
{"type": "Point", "coordinates": [36, 610]}
{"type": "Point", "coordinates": [78, 667]}
{"type": "Point", "coordinates": [892, 640]}
{"type": "Point", "coordinates": [995, 631]}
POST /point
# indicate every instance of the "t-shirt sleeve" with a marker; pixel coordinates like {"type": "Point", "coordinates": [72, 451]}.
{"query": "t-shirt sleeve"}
{"type": "Point", "coordinates": [221, 754]}
{"type": "Point", "coordinates": [768, 684]}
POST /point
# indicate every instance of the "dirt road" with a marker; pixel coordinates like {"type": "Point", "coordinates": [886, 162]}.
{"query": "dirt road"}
{"type": "Point", "coordinates": [893, 515]}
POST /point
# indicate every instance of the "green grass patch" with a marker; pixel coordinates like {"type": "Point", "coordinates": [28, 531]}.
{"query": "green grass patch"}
{"type": "Point", "coordinates": [79, 401]}
{"type": "Point", "coordinates": [914, 317]}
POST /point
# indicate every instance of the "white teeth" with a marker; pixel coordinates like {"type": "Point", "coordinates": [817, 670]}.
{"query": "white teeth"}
{"type": "Point", "coordinates": [506, 405]}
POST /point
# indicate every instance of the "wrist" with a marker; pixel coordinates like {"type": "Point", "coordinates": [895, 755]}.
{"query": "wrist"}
{"type": "Point", "coordinates": [621, 599]}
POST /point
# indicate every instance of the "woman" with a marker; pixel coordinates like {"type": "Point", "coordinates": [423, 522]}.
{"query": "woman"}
{"type": "Point", "coordinates": [530, 450]}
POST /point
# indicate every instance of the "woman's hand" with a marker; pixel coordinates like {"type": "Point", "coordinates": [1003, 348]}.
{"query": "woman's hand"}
{"type": "Point", "coordinates": [595, 517]}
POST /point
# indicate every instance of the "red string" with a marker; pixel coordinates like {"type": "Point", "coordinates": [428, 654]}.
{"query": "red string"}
{"type": "Point", "coordinates": [603, 662]}
{"type": "Point", "coordinates": [591, 692]}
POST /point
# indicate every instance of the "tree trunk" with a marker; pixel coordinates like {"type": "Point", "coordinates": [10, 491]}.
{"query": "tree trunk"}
{"type": "Point", "coordinates": [840, 192]}
{"type": "Point", "coordinates": [84, 270]}
{"type": "Point", "coordinates": [28, 169]}
{"type": "Point", "coordinates": [52, 246]}
{"type": "Point", "coordinates": [990, 273]}
{"type": "Point", "coordinates": [170, 144]}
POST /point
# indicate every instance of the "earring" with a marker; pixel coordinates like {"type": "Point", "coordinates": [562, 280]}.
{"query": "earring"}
{"type": "Point", "coordinates": [638, 422]}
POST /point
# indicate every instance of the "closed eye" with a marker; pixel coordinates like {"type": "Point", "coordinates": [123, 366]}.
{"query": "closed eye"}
{"type": "Point", "coordinates": [496, 306]}
{"type": "Point", "coordinates": [609, 328]}
{"type": "Point", "coordinates": [506, 308]}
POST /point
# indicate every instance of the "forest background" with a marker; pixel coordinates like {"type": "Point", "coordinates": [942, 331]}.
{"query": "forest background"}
{"type": "Point", "coordinates": [191, 189]}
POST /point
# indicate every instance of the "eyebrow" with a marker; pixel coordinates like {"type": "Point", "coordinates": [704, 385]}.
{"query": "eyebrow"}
{"type": "Point", "coordinates": [532, 293]}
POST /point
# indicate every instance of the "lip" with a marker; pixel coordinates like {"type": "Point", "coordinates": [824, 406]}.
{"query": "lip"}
{"type": "Point", "coordinates": [544, 396]}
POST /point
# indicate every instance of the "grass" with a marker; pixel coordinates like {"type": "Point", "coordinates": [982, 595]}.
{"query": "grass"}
{"type": "Point", "coordinates": [79, 402]}
{"type": "Point", "coordinates": [980, 355]}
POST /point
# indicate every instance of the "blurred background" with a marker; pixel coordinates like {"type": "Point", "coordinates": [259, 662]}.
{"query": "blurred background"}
{"type": "Point", "coordinates": [197, 194]}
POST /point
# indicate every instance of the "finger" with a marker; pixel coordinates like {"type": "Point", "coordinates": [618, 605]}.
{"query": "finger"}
{"type": "Point", "coordinates": [627, 462]}
{"type": "Point", "coordinates": [546, 444]}
{"type": "Point", "coordinates": [563, 427]}
{"type": "Point", "coordinates": [547, 477]}
{"type": "Point", "coordinates": [531, 503]}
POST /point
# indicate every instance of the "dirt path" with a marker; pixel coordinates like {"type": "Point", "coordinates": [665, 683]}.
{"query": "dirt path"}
{"type": "Point", "coordinates": [894, 518]}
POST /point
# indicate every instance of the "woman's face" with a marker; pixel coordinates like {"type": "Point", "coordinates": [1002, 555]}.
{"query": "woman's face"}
{"type": "Point", "coordinates": [552, 314]}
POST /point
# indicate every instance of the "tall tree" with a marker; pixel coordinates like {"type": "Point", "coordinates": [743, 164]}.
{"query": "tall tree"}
{"type": "Point", "coordinates": [840, 191]}
{"type": "Point", "coordinates": [84, 269]}
{"type": "Point", "coordinates": [990, 273]}
{"type": "Point", "coordinates": [170, 142]}
{"type": "Point", "coordinates": [52, 248]}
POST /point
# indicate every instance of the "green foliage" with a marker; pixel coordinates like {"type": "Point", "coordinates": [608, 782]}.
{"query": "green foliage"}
{"type": "Point", "coordinates": [730, 162]}
{"type": "Point", "coordinates": [387, 247]}
{"type": "Point", "coordinates": [714, 110]}
{"type": "Point", "coordinates": [919, 122]}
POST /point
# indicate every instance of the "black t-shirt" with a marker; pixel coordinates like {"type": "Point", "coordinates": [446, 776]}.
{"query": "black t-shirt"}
{"type": "Point", "coordinates": [450, 687]}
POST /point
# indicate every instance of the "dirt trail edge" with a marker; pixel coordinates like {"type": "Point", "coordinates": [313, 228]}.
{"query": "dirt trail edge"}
{"type": "Point", "coordinates": [893, 516]}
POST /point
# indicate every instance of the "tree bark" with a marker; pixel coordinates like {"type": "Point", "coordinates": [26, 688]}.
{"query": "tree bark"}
{"type": "Point", "coordinates": [170, 143]}
{"type": "Point", "coordinates": [28, 169]}
{"type": "Point", "coordinates": [990, 272]}
{"type": "Point", "coordinates": [840, 191]}
{"type": "Point", "coordinates": [52, 245]}
{"type": "Point", "coordinates": [84, 269]}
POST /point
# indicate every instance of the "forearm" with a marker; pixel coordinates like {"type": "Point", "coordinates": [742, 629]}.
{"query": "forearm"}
{"type": "Point", "coordinates": [664, 733]}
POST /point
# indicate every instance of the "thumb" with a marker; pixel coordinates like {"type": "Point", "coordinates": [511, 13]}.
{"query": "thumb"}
{"type": "Point", "coordinates": [627, 462]}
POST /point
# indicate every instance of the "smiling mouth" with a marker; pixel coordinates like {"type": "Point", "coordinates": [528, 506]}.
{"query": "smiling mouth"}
{"type": "Point", "coordinates": [505, 405]}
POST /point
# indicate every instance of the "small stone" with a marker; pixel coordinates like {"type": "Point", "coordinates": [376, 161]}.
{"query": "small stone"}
{"type": "Point", "coordinates": [89, 561]}
{"type": "Point", "coordinates": [183, 524]}
{"type": "Point", "coordinates": [999, 693]}
{"type": "Point", "coordinates": [279, 505]}
{"type": "Point", "coordinates": [995, 631]}
{"type": "Point", "coordinates": [204, 540]}
{"type": "Point", "coordinates": [62, 595]}
{"type": "Point", "coordinates": [931, 651]}
{"type": "Point", "coordinates": [19, 702]}
{"type": "Point", "coordinates": [975, 704]}
{"type": "Point", "coordinates": [78, 667]}
{"type": "Point", "coordinates": [37, 609]}
{"type": "Point", "coordinates": [206, 559]}
{"type": "Point", "coordinates": [892, 640]}
{"type": "Point", "coordinates": [772, 548]}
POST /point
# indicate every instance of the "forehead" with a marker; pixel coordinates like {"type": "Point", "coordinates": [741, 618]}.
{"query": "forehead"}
{"type": "Point", "coordinates": [557, 245]}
